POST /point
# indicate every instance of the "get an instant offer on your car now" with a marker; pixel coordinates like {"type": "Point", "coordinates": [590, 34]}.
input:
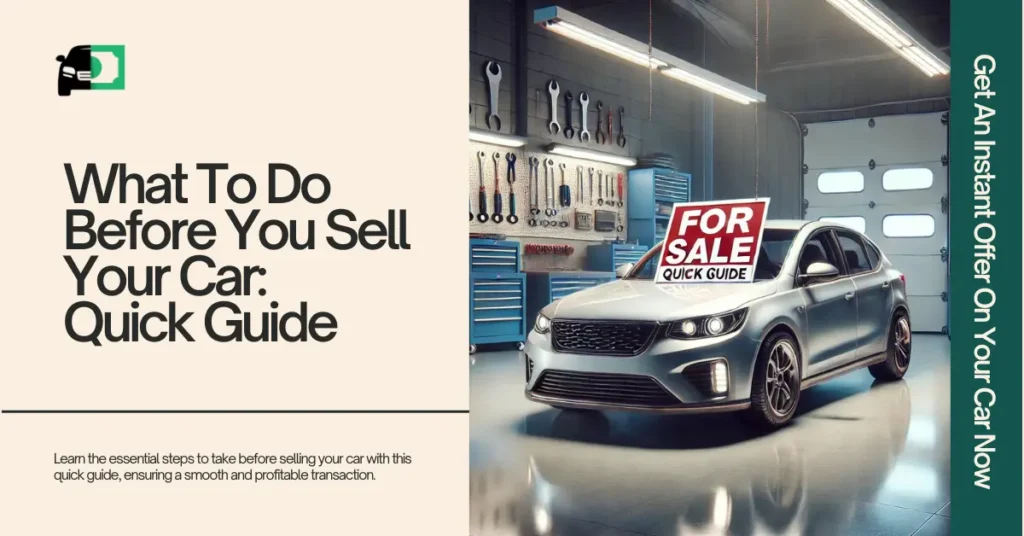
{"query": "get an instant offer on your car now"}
{"type": "Point", "coordinates": [712, 242]}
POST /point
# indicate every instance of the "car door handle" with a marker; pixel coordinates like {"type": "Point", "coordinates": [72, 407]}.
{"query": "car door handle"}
{"type": "Point", "coordinates": [849, 296]}
{"type": "Point", "coordinates": [885, 284]}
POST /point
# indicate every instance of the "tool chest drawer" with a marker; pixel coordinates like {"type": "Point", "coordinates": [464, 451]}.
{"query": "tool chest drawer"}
{"type": "Point", "coordinates": [652, 193]}
{"type": "Point", "coordinates": [543, 288]}
{"type": "Point", "coordinates": [608, 257]}
{"type": "Point", "coordinates": [493, 256]}
{"type": "Point", "coordinates": [497, 308]}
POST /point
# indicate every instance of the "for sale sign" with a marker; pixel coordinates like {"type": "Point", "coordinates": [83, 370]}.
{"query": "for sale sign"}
{"type": "Point", "coordinates": [712, 242]}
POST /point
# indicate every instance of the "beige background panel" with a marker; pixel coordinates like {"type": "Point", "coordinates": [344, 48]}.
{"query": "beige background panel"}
{"type": "Point", "coordinates": [397, 503]}
{"type": "Point", "coordinates": [338, 88]}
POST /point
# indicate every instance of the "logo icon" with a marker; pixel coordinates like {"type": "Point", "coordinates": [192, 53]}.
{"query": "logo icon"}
{"type": "Point", "coordinates": [91, 67]}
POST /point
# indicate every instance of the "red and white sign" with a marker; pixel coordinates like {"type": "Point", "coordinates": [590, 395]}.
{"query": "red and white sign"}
{"type": "Point", "coordinates": [712, 242]}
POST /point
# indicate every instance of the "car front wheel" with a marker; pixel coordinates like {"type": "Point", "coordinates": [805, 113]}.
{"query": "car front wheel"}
{"type": "Point", "coordinates": [775, 391]}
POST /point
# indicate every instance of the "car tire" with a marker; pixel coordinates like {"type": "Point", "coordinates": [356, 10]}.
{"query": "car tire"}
{"type": "Point", "coordinates": [778, 364]}
{"type": "Point", "coordinates": [897, 350]}
{"type": "Point", "coordinates": [63, 90]}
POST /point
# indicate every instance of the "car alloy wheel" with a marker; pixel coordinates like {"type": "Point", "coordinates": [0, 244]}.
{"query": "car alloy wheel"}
{"type": "Point", "coordinates": [781, 379]}
{"type": "Point", "coordinates": [902, 346]}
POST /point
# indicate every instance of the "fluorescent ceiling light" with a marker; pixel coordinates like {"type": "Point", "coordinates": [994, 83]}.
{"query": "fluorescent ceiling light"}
{"type": "Point", "coordinates": [885, 25]}
{"type": "Point", "coordinates": [585, 31]}
{"type": "Point", "coordinates": [494, 138]}
{"type": "Point", "coordinates": [587, 154]}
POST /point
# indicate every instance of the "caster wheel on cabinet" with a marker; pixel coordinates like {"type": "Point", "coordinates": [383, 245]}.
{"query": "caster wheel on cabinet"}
{"type": "Point", "coordinates": [520, 346]}
{"type": "Point", "coordinates": [472, 349]}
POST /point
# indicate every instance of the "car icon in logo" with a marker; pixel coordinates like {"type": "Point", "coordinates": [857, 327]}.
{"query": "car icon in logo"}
{"type": "Point", "coordinates": [91, 67]}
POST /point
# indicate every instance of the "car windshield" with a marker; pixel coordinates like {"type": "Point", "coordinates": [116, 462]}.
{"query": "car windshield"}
{"type": "Point", "coordinates": [775, 246]}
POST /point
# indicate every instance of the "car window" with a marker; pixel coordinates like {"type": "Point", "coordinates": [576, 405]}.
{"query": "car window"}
{"type": "Point", "coordinates": [853, 251]}
{"type": "Point", "coordinates": [775, 245]}
{"type": "Point", "coordinates": [817, 249]}
{"type": "Point", "coordinates": [873, 255]}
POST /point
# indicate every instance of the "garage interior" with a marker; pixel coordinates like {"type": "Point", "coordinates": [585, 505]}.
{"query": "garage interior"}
{"type": "Point", "coordinates": [849, 131]}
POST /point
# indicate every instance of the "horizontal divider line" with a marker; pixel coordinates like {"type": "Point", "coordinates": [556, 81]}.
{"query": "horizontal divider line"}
{"type": "Point", "coordinates": [233, 411]}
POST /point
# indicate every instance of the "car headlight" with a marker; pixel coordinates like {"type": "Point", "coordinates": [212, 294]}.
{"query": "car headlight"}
{"type": "Point", "coordinates": [708, 326]}
{"type": "Point", "coordinates": [542, 325]}
{"type": "Point", "coordinates": [68, 69]}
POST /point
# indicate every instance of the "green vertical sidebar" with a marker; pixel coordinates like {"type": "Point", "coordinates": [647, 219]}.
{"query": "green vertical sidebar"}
{"type": "Point", "coordinates": [985, 266]}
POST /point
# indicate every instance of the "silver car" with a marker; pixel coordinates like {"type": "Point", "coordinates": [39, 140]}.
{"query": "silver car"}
{"type": "Point", "coordinates": [825, 301]}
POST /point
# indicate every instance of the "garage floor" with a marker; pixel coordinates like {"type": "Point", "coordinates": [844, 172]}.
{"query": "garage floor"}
{"type": "Point", "coordinates": [860, 459]}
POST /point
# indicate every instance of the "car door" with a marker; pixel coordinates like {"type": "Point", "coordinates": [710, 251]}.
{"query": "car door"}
{"type": "Point", "coordinates": [830, 308]}
{"type": "Point", "coordinates": [874, 292]}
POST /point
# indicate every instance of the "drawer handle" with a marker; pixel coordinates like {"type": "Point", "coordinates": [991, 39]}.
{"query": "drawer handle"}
{"type": "Point", "coordinates": [493, 250]}
{"type": "Point", "coordinates": [516, 292]}
{"type": "Point", "coordinates": [498, 308]}
{"type": "Point", "coordinates": [494, 264]}
{"type": "Point", "coordinates": [494, 257]}
{"type": "Point", "coordinates": [502, 319]}
{"type": "Point", "coordinates": [496, 283]}
{"type": "Point", "coordinates": [510, 298]}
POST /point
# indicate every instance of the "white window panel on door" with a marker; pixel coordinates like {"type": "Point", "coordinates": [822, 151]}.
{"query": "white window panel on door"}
{"type": "Point", "coordinates": [908, 225]}
{"type": "Point", "coordinates": [857, 223]}
{"type": "Point", "coordinates": [874, 190]}
{"type": "Point", "coordinates": [900, 178]}
{"type": "Point", "coordinates": [899, 139]}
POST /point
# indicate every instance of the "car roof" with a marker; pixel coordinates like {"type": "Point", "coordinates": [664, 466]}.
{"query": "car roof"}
{"type": "Point", "coordinates": [786, 225]}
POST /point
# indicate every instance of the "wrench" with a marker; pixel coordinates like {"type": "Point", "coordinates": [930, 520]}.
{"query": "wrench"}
{"type": "Point", "coordinates": [579, 185]}
{"type": "Point", "coordinates": [590, 198]}
{"type": "Point", "coordinates": [497, 217]}
{"type": "Point", "coordinates": [493, 71]}
{"type": "Point", "coordinates": [608, 185]}
{"type": "Point", "coordinates": [549, 188]}
{"type": "Point", "coordinates": [482, 199]}
{"type": "Point", "coordinates": [608, 126]}
{"type": "Point", "coordinates": [569, 132]}
{"type": "Point", "coordinates": [601, 138]}
{"type": "Point", "coordinates": [553, 126]}
{"type": "Point", "coordinates": [510, 177]}
{"type": "Point", "coordinates": [584, 101]}
{"type": "Point", "coordinates": [622, 127]}
{"type": "Point", "coordinates": [620, 190]}
{"type": "Point", "coordinates": [534, 186]}
{"type": "Point", "coordinates": [600, 188]}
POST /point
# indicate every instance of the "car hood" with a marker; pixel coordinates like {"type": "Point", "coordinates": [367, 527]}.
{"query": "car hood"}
{"type": "Point", "coordinates": [630, 299]}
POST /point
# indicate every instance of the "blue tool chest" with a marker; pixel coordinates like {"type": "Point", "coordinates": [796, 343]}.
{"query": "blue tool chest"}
{"type": "Point", "coordinates": [543, 288]}
{"type": "Point", "coordinates": [497, 293]}
{"type": "Point", "coordinates": [652, 192]}
{"type": "Point", "coordinates": [608, 257]}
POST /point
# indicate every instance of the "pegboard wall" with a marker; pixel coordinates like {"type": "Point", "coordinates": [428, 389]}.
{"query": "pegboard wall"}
{"type": "Point", "coordinates": [521, 187]}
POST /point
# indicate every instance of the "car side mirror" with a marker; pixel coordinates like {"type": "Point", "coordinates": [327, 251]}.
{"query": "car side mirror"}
{"type": "Point", "coordinates": [623, 269]}
{"type": "Point", "coordinates": [819, 271]}
{"type": "Point", "coordinates": [60, 58]}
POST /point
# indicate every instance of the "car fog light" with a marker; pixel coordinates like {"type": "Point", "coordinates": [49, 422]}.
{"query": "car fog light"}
{"type": "Point", "coordinates": [719, 377]}
{"type": "Point", "coordinates": [689, 328]}
{"type": "Point", "coordinates": [715, 326]}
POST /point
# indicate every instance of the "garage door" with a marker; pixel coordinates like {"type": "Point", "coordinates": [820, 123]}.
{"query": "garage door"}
{"type": "Point", "coordinates": [885, 178]}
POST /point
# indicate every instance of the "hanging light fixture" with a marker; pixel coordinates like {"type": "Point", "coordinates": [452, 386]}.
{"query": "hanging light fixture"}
{"type": "Point", "coordinates": [888, 28]}
{"type": "Point", "coordinates": [587, 32]}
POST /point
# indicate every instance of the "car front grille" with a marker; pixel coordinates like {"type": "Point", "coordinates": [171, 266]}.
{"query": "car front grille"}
{"type": "Point", "coordinates": [84, 75]}
{"type": "Point", "coordinates": [616, 389]}
{"type": "Point", "coordinates": [603, 338]}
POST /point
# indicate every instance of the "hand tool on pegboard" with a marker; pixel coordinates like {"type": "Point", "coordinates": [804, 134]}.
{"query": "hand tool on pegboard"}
{"type": "Point", "coordinates": [579, 185]}
{"type": "Point", "coordinates": [610, 188]}
{"type": "Point", "coordinates": [510, 177]}
{"type": "Point", "coordinates": [553, 126]}
{"type": "Point", "coordinates": [569, 132]}
{"type": "Point", "coordinates": [601, 138]}
{"type": "Point", "coordinates": [622, 127]}
{"type": "Point", "coordinates": [493, 71]}
{"type": "Point", "coordinates": [549, 187]}
{"type": "Point", "coordinates": [481, 208]}
{"type": "Point", "coordinates": [608, 124]}
{"type": "Point", "coordinates": [564, 195]}
{"type": "Point", "coordinates": [619, 188]}
{"type": "Point", "coordinates": [497, 217]}
{"type": "Point", "coordinates": [600, 188]}
{"type": "Point", "coordinates": [584, 102]}
{"type": "Point", "coordinates": [534, 190]}
{"type": "Point", "coordinates": [590, 181]}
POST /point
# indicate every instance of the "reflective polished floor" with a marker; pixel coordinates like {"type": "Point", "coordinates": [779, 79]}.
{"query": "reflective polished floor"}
{"type": "Point", "coordinates": [861, 458]}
